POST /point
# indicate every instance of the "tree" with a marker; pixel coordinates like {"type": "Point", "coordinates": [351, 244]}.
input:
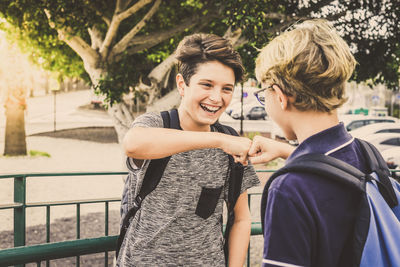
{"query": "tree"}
{"type": "Point", "coordinates": [127, 46]}
{"type": "Point", "coordinates": [13, 77]}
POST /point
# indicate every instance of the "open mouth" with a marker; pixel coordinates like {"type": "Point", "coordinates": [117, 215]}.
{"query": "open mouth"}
{"type": "Point", "coordinates": [208, 108]}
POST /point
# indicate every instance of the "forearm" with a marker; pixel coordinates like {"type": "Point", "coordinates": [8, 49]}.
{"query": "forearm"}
{"type": "Point", "coordinates": [153, 143]}
{"type": "Point", "coordinates": [285, 150]}
{"type": "Point", "coordinates": [238, 242]}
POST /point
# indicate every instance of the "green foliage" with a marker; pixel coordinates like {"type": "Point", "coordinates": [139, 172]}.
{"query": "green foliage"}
{"type": "Point", "coordinates": [376, 44]}
{"type": "Point", "coordinates": [251, 135]}
{"type": "Point", "coordinates": [370, 27]}
{"type": "Point", "coordinates": [120, 76]}
{"type": "Point", "coordinates": [36, 153]}
{"type": "Point", "coordinates": [38, 40]}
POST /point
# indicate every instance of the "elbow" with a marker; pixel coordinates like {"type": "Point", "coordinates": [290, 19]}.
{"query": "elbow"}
{"type": "Point", "coordinates": [130, 144]}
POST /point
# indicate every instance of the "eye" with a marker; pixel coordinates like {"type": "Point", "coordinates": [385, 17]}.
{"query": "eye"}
{"type": "Point", "coordinates": [207, 85]}
{"type": "Point", "coordinates": [228, 89]}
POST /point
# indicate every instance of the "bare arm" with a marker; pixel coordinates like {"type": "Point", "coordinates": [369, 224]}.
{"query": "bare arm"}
{"type": "Point", "coordinates": [239, 237]}
{"type": "Point", "coordinates": [152, 143]}
{"type": "Point", "coordinates": [265, 149]}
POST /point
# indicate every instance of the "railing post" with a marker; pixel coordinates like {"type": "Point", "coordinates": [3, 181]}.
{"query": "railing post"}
{"type": "Point", "coordinates": [248, 249]}
{"type": "Point", "coordinates": [19, 212]}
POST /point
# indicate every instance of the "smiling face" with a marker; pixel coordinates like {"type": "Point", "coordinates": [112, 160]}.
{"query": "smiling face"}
{"type": "Point", "coordinates": [207, 95]}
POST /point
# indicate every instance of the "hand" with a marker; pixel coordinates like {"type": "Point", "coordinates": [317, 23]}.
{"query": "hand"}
{"type": "Point", "coordinates": [236, 146]}
{"type": "Point", "coordinates": [264, 150]}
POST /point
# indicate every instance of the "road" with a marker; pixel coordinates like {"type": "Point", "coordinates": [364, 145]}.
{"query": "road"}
{"type": "Point", "coordinates": [41, 113]}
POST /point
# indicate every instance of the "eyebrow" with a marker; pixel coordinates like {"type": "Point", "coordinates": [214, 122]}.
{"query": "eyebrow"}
{"type": "Point", "coordinates": [211, 81]}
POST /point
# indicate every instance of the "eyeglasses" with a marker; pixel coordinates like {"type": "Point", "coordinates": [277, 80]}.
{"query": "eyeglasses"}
{"type": "Point", "coordinates": [260, 95]}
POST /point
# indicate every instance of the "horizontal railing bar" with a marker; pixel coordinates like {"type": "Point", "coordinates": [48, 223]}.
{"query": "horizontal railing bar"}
{"type": "Point", "coordinates": [60, 174]}
{"type": "Point", "coordinates": [4, 176]}
{"type": "Point", "coordinates": [51, 251]}
{"type": "Point", "coordinates": [57, 250]}
{"type": "Point", "coordinates": [10, 206]}
{"type": "Point", "coordinates": [71, 202]}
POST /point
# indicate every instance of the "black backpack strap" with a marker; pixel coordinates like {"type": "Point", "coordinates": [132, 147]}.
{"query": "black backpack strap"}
{"type": "Point", "coordinates": [235, 185]}
{"type": "Point", "coordinates": [321, 165]}
{"type": "Point", "coordinates": [379, 166]}
{"type": "Point", "coordinates": [151, 179]}
{"type": "Point", "coordinates": [236, 169]}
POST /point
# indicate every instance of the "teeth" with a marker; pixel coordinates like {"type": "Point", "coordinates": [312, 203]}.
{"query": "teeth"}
{"type": "Point", "coordinates": [210, 108]}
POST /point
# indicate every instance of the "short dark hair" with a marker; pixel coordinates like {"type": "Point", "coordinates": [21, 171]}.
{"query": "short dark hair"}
{"type": "Point", "coordinates": [200, 48]}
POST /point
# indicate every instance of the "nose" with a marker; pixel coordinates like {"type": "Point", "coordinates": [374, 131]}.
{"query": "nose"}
{"type": "Point", "coordinates": [215, 95]}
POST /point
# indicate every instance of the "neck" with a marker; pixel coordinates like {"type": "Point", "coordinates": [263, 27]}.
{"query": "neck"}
{"type": "Point", "coordinates": [306, 123]}
{"type": "Point", "coordinates": [188, 123]}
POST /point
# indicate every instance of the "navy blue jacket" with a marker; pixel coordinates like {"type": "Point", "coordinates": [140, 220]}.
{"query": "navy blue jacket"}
{"type": "Point", "coordinates": [309, 220]}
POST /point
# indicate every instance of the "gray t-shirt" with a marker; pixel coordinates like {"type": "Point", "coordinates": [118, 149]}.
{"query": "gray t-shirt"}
{"type": "Point", "coordinates": [180, 222]}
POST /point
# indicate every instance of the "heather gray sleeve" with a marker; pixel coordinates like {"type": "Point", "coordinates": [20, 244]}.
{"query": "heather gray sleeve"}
{"type": "Point", "coordinates": [147, 120]}
{"type": "Point", "coordinates": [250, 178]}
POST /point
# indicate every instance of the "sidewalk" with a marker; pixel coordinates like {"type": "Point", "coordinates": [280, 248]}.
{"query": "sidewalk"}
{"type": "Point", "coordinates": [67, 155]}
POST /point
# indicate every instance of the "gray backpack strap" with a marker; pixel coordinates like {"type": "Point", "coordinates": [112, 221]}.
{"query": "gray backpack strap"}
{"type": "Point", "coordinates": [379, 166]}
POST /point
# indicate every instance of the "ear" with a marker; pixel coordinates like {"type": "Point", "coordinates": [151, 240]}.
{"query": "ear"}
{"type": "Point", "coordinates": [180, 83]}
{"type": "Point", "coordinates": [282, 98]}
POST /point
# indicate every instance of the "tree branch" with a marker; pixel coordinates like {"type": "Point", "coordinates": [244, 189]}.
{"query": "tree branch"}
{"type": "Point", "coordinates": [122, 5]}
{"type": "Point", "coordinates": [124, 42]}
{"type": "Point", "coordinates": [95, 37]}
{"type": "Point", "coordinates": [87, 54]}
{"type": "Point", "coordinates": [116, 21]}
{"type": "Point", "coordinates": [133, 9]}
{"type": "Point", "coordinates": [140, 43]}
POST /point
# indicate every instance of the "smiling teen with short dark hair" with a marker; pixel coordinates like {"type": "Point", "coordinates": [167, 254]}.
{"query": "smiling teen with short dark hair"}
{"type": "Point", "coordinates": [170, 229]}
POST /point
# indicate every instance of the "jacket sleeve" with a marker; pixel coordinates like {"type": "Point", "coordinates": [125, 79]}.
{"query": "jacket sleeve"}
{"type": "Point", "coordinates": [287, 237]}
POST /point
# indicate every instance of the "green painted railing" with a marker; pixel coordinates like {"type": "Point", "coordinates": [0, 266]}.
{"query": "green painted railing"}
{"type": "Point", "coordinates": [21, 254]}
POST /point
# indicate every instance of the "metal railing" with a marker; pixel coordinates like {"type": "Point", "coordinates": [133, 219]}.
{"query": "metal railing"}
{"type": "Point", "coordinates": [21, 254]}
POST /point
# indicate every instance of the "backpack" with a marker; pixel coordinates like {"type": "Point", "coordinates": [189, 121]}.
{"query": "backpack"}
{"type": "Point", "coordinates": [376, 239]}
{"type": "Point", "coordinates": [156, 169]}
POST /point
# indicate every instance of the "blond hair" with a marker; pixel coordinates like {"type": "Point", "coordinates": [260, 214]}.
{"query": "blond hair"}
{"type": "Point", "coordinates": [311, 63]}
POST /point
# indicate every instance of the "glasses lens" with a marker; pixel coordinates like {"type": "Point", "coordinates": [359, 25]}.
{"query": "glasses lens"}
{"type": "Point", "coordinates": [260, 97]}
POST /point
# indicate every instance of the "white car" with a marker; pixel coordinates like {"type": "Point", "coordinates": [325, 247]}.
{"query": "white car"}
{"type": "Point", "coordinates": [352, 122]}
{"type": "Point", "coordinates": [392, 158]}
{"type": "Point", "coordinates": [385, 127]}
{"type": "Point", "coordinates": [383, 141]}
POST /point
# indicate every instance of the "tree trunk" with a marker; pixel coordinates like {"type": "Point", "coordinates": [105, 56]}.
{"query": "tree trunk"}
{"type": "Point", "coordinates": [15, 142]}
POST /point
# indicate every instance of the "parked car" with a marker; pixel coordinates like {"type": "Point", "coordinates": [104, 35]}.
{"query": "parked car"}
{"type": "Point", "coordinates": [385, 127]}
{"type": "Point", "coordinates": [257, 113]}
{"type": "Point", "coordinates": [392, 158]}
{"type": "Point", "coordinates": [352, 122]}
{"type": "Point", "coordinates": [236, 112]}
{"type": "Point", "coordinates": [384, 141]}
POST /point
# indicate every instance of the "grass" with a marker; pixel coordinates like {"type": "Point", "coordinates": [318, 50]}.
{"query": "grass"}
{"type": "Point", "coordinates": [36, 153]}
